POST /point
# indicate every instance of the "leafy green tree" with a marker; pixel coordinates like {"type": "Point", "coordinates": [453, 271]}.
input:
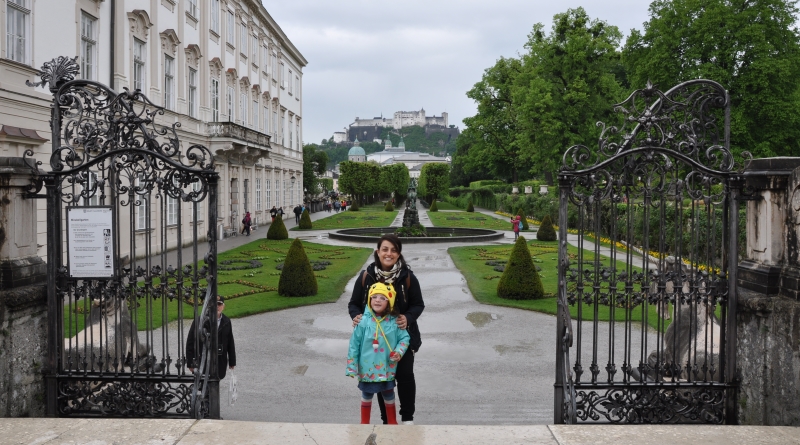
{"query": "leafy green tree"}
{"type": "Point", "coordinates": [297, 276]}
{"type": "Point", "coordinates": [494, 130]}
{"type": "Point", "coordinates": [750, 47]}
{"type": "Point", "coordinates": [315, 162]}
{"type": "Point", "coordinates": [434, 179]}
{"type": "Point", "coordinates": [462, 170]}
{"type": "Point", "coordinates": [520, 280]}
{"type": "Point", "coordinates": [566, 83]}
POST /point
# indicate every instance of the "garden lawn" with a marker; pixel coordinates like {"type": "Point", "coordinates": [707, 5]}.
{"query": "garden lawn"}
{"type": "Point", "coordinates": [468, 220]}
{"type": "Point", "coordinates": [482, 279]}
{"type": "Point", "coordinates": [368, 216]}
{"type": "Point", "coordinates": [442, 205]}
{"type": "Point", "coordinates": [250, 286]}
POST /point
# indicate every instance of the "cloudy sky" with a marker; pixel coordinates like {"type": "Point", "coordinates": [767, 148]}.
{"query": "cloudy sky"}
{"type": "Point", "coordinates": [367, 57]}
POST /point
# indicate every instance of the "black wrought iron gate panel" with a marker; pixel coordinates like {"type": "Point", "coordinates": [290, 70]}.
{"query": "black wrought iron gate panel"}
{"type": "Point", "coordinates": [648, 231]}
{"type": "Point", "coordinates": [123, 198]}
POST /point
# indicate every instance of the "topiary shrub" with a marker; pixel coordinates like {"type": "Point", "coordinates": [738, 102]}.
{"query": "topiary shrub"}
{"type": "Point", "coordinates": [388, 207]}
{"type": "Point", "coordinates": [546, 230]}
{"type": "Point", "coordinates": [523, 219]}
{"type": "Point", "coordinates": [434, 207]}
{"type": "Point", "coordinates": [305, 220]}
{"type": "Point", "coordinates": [297, 277]}
{"type": "Point", "coordinates": [520, 281]}
{"type": "Point", "coordinates": [277, 230]}
{"type": "Point", "coordinates": [470, 207]}
{"type": "Point", "coordinates": [353, 207]}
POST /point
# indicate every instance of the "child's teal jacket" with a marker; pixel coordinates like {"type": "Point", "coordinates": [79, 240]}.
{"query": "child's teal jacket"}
{"type": "Point", "coordinates": [363, 361]}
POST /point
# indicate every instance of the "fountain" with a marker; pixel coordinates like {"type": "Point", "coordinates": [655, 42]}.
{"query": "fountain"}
{"type": "Point", "coordinates": [411, 221]}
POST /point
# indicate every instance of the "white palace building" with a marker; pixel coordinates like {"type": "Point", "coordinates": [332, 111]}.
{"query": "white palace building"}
{"type": "Point", "coordinates": [223, 69]}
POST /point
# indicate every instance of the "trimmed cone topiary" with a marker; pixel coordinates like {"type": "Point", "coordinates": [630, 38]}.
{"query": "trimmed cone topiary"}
{"type": "Point", "coordinates": [388, 207]}
{"type": "Point", "coordinates": [305, 220]}
{"type": "Point", "coordinates": [353, 207]}
{"type": "Point", "coordinates": [523, 219]}
{"type": "Point", "coordinates": [520, 281]}
{"type": "Point", "coordinates": [470, 208]}
{"type": "Point", "coordinates": [546, 230]}
{"type": "Point", "coordinates": [297, 276]}
{"type": "Point", "coordinates": [434, 207]}
{"type": "Point", "coordinates": [277, 230]}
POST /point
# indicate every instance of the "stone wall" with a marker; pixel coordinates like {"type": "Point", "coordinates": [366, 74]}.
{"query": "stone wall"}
{"type": "Point", "coordinates": [23, 349]}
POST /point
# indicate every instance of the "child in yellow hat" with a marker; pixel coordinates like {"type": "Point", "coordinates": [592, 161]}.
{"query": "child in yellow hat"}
{"type": "Point", "coordinates": [377, 344]}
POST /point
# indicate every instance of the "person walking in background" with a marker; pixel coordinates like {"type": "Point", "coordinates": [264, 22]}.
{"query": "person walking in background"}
{"type": "Point", "coordinates": [281, 212]}
{"type": "Point", "coordinates": [226, 354]}
{"type": "Point", "coordinates": [390, 267]}
{"type": "Point", "coordinates": [336, 206]}
{"type": "Point", "coordinates": [273, 213]}
{"type": "Point", "coordinates": [246, 223]}
{"type": "Point", "coordinates": [344, 205]}
{"type": "Point", "coordinates": [377, 344]}
{"type": "Point", "coordinates": [515, 223]}
{"type": "Point", "coordinates": [297, 213]}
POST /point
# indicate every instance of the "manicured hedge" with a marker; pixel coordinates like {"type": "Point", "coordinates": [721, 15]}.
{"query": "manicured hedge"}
{"type": "Point", "coordinates": [546, 230]}
{"type": "Point", "coordinates": [297, 276]}
{"type": "Point", "coordinates": [520, 280]}
{"type": "Point", "coordinates": [277, 230]}
{"type": "Point", "coordinates": [305, 220]}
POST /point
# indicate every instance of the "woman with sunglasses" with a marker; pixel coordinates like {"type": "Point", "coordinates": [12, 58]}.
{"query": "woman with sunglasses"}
{"type": "Point", "coordinates": [390, 267]}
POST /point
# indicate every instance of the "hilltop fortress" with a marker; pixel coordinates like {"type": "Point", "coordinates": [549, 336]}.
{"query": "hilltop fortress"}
{"type": "Point", "coordinates": [370, 129]}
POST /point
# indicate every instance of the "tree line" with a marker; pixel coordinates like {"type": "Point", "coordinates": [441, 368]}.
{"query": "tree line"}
{"type": "Point", "coordinates": [368, 181]}
{"type": "Point", "coordinates": [531, 108]}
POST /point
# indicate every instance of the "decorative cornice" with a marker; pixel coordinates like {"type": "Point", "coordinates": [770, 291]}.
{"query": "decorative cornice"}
{"type": "Point", "coordinates": [169, 41]}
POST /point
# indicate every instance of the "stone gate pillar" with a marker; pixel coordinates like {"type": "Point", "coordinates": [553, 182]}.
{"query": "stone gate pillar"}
{"type": "Point", "coordinates": [768, 322]}
{"type": "Point", "coordinates": [23, 297]}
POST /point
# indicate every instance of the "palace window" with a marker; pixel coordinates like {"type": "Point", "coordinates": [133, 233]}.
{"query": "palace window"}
{"type": "Point", "coordinates": [229, 100]}
{"type": "Point", "coordinates": [18, 30]}
{"type": "Point", "coordinates": [138, 64]}
{"type": "Point", "coordinates": [291, 133]}
{"type": "Point", "coordinates": [275, 124]}
{"type": "Point", "coordinates": [88, 46]}
{"type": "Point", "coordinates": [214, 100]}
{"type": "Point", "coordinates": [193, 10]}
{"type": "Point", "coordinates": [283, 129]}
{"type": "Point", "coordinates": [243, 108]}
{"type": "Point", "coordinates": [215, 16]}
{"type": "Point", "coordinates": [254, 48]}
{"type": "Point", "coordinates": [192, 92]}
{"type": "Point", "coordinates": [231, 28]}
{"type": "Point", "coordinates": [169, 82]}
{"type": "Point", "coordinates": [268, 193]}
{"type": "Point", "coordinates": [274, 66]}
{"type": "Point", "coordinates": [243, 43]}
{"type": "Point", "coordinates": [172, 208]}
{"type": "Point", "coordinates": [265, 130]}
{"type": "Point", "coordinates": [254, 117]}
{"type": "Point", "coordinates": [199, 205]}
{"type": "Point", "coordinates": [142, 208]}
{"type": "Point", "coordinates": [258, 194]}
{"type": "Point", "coordinates": [289, 79]}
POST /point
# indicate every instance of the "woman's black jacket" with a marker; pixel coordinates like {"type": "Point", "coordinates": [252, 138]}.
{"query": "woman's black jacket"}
{"type": "Point", "coordinates": [408, 301]}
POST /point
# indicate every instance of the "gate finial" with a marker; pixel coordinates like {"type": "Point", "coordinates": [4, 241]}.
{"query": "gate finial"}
{"type": "Point", "coordinates": [57, 72]}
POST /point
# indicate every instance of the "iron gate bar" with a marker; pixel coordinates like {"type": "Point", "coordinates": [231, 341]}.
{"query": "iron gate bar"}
{"type": "Point", "coordinates": [98, 365]}
{"type": "Point", "coordinates": [671, 153]}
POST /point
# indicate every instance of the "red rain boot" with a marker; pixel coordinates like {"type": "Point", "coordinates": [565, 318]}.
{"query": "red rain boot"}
{"type": "Point", "coordinates": [366, 407]}
{"type": "Point", "coordinates": [391, 414]}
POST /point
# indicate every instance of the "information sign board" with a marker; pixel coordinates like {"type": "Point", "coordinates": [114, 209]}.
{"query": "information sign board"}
{"type": "Point", "coordinates": [90, 242]}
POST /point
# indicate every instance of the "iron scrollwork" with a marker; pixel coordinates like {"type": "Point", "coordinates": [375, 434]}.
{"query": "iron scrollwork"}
{"type": "Point", "coordinates": [656, 193]}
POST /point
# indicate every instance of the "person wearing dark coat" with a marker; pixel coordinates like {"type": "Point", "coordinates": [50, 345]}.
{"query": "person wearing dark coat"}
{"type": "Point", "coordinates": [226, 356]}
{"type": "Point", "coordinates": [390, 267]}
{"type": "Point", "coordinates": [297, 212]}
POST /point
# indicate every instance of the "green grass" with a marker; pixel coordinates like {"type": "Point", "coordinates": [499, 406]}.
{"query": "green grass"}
{"type": "Point", "coordinates": [251, 290]}
{"type": "Point", "coordinates": [372, 215]}
{"type": "Point", "coordinates": [468, 220]}
{"type": "Point", "coordinates": [447, 206]}
{"type": "Point", "coordinates": [482, 280]}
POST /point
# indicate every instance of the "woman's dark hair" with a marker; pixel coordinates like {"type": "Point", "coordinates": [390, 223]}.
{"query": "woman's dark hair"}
{"type": "Point", "coordinates": [395, 240]}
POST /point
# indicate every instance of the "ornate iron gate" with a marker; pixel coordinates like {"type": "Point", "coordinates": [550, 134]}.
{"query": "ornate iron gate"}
{"type": "Point", "coordinates": [648, 232]}
{"type": "Point", "coordinates": [121, 295]}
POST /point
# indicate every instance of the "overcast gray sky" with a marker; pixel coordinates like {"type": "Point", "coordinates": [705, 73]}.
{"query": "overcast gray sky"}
{"type": "Point", "coordinates": [367, 57]}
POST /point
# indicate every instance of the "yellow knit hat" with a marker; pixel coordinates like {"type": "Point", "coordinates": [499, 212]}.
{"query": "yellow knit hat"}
{"type": "Point", "coordinates": [387, 290]}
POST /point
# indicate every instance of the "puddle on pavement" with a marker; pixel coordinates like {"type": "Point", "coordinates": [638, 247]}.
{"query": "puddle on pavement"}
{"type": "Point", "coordinates": [338, 323]}
{"type": "Point", "coordinates": [481, 319]}
{"type": "Point", "coordinates": [300, 370]}
{"type": "Point", "coordinates": [445, 322]}
{"type": "Point", "coordinates": [437, 350]}
{"type": "Point", "coordinates": [508, 349]}
{"type": "Point", "coordinates": [296, 340]}
{"type": "Point", "coordinates": [334, 347]}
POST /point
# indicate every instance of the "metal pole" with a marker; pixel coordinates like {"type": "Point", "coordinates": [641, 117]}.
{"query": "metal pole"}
{"type": "Point", "coordinates": [558, 396]}
{"type": "Point", "coordinates": [213, 388]}
{"type": "Point", "coordinates": [730, 372]}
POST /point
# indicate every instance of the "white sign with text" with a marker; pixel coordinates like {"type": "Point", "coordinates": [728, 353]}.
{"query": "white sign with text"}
{"type": "Point", "coordinates": [90, 242]}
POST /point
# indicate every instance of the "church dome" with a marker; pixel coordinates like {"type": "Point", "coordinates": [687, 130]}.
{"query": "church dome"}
{"type": "Point", "coordinates": [356, 150]}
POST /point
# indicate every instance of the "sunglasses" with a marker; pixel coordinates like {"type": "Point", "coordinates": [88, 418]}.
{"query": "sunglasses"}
{"type": "Point", "coordinates": [379, 298]}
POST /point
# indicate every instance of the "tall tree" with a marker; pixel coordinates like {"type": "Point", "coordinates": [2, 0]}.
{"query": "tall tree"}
{"type": "Point", "coordinates": [567, 83]}
{"type": "Point", "coordinates": [434, 179]}
{"type": "Point", "coordinates": [495, 127]}
{"type": "Point", "coordinates": [750, 47]}
{"type": "Point", "coordinates": [314, 164]}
